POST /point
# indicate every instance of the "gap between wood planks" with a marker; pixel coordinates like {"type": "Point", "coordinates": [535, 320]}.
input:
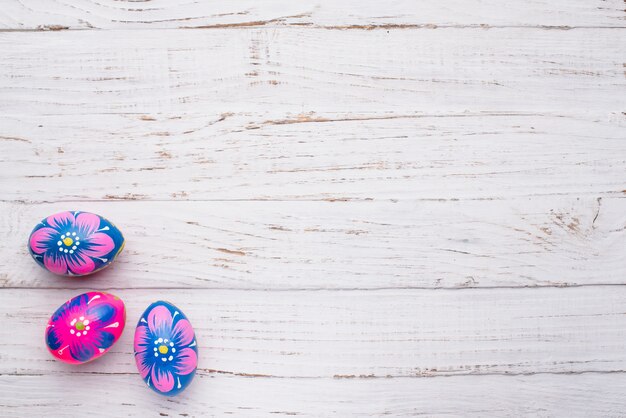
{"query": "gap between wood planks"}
{"type": "Point", "coordinates": [115, 199]}
{"type": "Point", "coordinates": [276, 24]}
{"type": "Point", "coordinates": [612, 194]}
{"type": "Point", "coordinates": [326, 289]}
{"type": "Point", "coordinates": [211, 372]}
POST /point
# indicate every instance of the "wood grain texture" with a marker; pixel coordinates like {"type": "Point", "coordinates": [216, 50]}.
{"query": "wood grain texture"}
{"type": "Point", "coordinates": [345, 14]}
{"type": "Point", "coordinates": [478, 155]}
{"type": "Point", "coordinates": [313, 70]}
{"type": "Point", "coordinates": [341, 245]}
{"type": "Point", "coordinates": [218, 395]}
{"type": "Point", "coordinates": [365, 208]}
{"type": "Point", "coordinates": [349, 334]}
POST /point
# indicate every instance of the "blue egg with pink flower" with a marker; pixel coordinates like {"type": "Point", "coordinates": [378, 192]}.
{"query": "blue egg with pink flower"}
{"type": "Point", "coordinates": [75, 243]}
{"type": "Point", "coordinates": [165, 349]}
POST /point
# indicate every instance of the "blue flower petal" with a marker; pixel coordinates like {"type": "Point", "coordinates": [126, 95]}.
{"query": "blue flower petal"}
{"type": "Point", "coordinates": [102, 311]}
{"type": "Point", "coordinates": [78, 301]}
{"type": "Point", "coordinates": [82, 352]}
{"type": "Point", "coordinates": [53, 340]}
{"type": "Point", "coordinates": [163, 367]}
{"type": "Point", "coordinates": [105, 339]}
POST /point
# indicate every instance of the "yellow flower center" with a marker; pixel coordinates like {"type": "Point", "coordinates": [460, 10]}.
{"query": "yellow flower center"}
{"type": "Point", "coordinates": [68, 241]}
{"type": "Point", "coordinates": [163, 349]}
{"type": "Point", "coordinates": [80, 326]}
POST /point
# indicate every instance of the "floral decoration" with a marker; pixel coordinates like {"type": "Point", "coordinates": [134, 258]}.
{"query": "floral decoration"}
{"type": "Point", "coordinates": [165, 349]}
{"type": "Point", "coordinates": [85, 327]}
{"type": "Point", "coordinates": [75, 243]}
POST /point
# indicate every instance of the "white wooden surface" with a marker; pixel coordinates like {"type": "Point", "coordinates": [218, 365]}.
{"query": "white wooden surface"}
{"type": "Point", "coordinates": [365, 208]}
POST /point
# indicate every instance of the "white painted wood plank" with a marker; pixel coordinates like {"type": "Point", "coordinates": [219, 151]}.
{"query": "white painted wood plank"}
{"type": "Point", "coordinates": [61, 395]}
{"type": "Point", "coordinates": [86, 14]}
{"type": "Point", "coordinates": [342, 334]}
{"type": "Point", "coordinates": [449, 157]}
{"type": "Point", "coordinates": [313, 70]}
{"type": "Point", "coordinates": [480, 155]}
{"type": "Point", "coordinates": [341, 245]}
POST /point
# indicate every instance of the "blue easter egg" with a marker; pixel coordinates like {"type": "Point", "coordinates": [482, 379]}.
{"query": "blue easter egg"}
{"type": "Point", "coordinates": [166, 350]}
{"type": "Point", "coordinates": [75, 243]}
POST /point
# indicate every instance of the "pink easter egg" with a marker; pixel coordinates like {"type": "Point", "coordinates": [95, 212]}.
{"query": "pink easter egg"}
{"type": "Point", "coordinates": [85, 327]}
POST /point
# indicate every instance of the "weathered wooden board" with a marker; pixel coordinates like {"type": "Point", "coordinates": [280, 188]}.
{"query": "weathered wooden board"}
{"type": "Point", "coordinates": [544, 395]}
{"type": "Point", "coordinates": [365, 208]}
{"type": "Point", "coordinates": [343, 334]}
{"type": "Point", "coordinates": [345, 14]}
{"type": "Point", "coordinates": [341, 245]}
{"type": "Point", "coordinates": [492, 155]}
{"type": "Point", "coordinates": [313, 70]}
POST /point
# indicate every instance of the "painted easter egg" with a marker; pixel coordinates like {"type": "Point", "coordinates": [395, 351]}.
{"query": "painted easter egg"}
{"type": "Point", "coordinates": [166, 352]}
{"type": "Point", "coordinates": [85, 327]}
{"type": "Point", "coordinates": [75, 243]}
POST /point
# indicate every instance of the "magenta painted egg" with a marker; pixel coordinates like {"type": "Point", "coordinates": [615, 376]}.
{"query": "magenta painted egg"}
{"type": "Point", "coordinates": [85, 327]}
{"type": "Point", "coordinates": [75, 243]}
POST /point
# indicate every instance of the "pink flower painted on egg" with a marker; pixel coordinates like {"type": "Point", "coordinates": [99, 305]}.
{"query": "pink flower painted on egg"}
{"type": "Point", "coordinates": [75, 243]}
{"type": "Point", "coordinates": [166, 352]}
